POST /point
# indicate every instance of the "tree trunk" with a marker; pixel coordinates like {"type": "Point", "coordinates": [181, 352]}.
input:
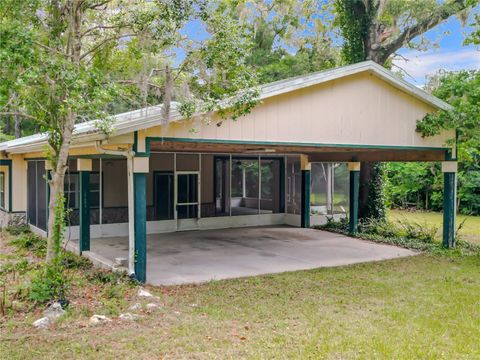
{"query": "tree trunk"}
{"type": "Point", "coordinates": [56, 220]}
{"type": "Point", "coordinates": [56, 191]}
{"type": "Point", "coordinates": [8, 126]}
{"type": "Point", "coordinates": [56, 184]}
{"type": "Point", "coordinates": [18, 127]}
{"type": "Point", "coordinates": [371, 197]}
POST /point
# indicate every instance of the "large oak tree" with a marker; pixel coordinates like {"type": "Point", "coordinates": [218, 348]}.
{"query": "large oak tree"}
{"type": "Point", "coordinates": [376, 30]}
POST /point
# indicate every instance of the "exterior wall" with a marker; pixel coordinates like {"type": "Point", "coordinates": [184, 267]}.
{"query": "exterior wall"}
{"type": "Point", "coordinates": [360, 109]}
{"type": "Point", "coordinates": [14, 213]}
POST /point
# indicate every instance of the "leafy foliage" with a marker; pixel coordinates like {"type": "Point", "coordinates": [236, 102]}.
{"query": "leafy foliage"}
{"type": "Point", "coordinates": [462, 91]}
{"type": "Point", "coordinates": [375, 206]}
{"type": "Point", "coordinates": [30, 242]}
{"type": "Point", "coordinates": [412, 235]}
{"type": "Point", "coordinates": [49, 283]}
{"type": "Point", "coordinates": [289, 38]}
{"type": "Point", "coordinates": [354, 19]}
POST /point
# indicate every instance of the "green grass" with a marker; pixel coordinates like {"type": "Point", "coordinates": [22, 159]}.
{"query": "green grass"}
{"type": "Point", "coordinates": [426, 306]}
{"type": "Point", "coordinates": [420, 307]}
{"type": "Point", "coordinates": [470, 230]}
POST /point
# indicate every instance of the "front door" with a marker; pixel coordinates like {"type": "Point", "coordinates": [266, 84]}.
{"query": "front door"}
{"type": "Point", "coordinates": [187, 200]}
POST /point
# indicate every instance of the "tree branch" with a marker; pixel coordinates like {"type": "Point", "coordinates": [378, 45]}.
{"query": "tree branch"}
{"type": "Point", "coordinates": [133, 82]}
{"type": "Point", "coordinates": [100, 27]}
{"type": "Point", "coordinates": [105, 41]}
{"type": "Point", "coordinates": [443, 12]}
{"type": "Point", "coordinates": [16, 113]}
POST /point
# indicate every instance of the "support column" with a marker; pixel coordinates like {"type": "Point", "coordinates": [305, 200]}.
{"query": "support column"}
{"type": "Point", "coordinates": [140, 169]}
{"type": "Point", "coordinates": [449, 169]}
{"type": "Point", "coordinates": [354, 169]}
{"type": "Point", "coordinates": [84, 167]}
{"type": "Point", "coordinates": [305, 199]}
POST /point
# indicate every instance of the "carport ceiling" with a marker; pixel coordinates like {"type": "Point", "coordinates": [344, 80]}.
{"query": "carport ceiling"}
{"type": "Point", "coordinates": [316, 153]}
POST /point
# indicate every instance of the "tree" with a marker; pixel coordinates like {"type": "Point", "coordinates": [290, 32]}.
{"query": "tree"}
{"type": "Point", "coordinates": [289, 38]}
{"type": "Point", "coordinates": [376, 30]}
{"type": "Point", "coordinates": [66, 79]}
{"type": "Point", "coordinates": [461, 90]}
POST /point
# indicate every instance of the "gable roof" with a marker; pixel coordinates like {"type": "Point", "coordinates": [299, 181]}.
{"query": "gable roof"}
{"type": "Point", "coordinates": [300, 82]}
{"type": "Point", "coordinates": [152, 116]}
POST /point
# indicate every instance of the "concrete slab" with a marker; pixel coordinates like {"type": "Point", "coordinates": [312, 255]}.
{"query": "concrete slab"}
{"type": "Point", "coordinates": [199, 256]}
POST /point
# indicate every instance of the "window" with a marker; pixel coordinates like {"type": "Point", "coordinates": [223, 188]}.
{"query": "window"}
{"type": "Point", "coordinates": [329, 188]}
{"type": "Point", "coordinates": [2, 190]}
{"type": "Point", "coordinates": [256, 185]}
{"type": "Point", "coordinates": [72, 190]}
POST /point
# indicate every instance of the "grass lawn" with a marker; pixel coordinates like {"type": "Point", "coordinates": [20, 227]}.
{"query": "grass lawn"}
{"type": "Point", "coordinates": [426, 306]}
{"type": "Point", "coordinates": [470, 230]}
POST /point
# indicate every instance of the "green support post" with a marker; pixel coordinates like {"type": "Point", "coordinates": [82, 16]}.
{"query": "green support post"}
{"type": "Point", "coordinates": [84, 242]}
{"type": "Point", "coordinates": [449, 213]}
{"type": "Point", "coordinates": [354, 191]}
{"type": "Point", "coordinates": [140, 212]}
{"type": "Point", "coordinates": [305, 210]}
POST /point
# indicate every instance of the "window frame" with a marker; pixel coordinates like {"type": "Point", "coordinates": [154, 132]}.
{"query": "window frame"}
{"type": "Point", "coordinates": [77, 189]}
{"type": "Point", "coordinates": [2, 190]}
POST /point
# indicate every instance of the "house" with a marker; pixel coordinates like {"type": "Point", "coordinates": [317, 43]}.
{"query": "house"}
{"type": "Point", "coordinates": [295, 160]}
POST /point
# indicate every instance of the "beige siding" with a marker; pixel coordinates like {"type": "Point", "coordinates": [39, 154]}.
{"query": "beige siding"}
{"type": "Point", "coordinates": [19, 184]}
{"type": "Point", "coordinates": [360, 109]}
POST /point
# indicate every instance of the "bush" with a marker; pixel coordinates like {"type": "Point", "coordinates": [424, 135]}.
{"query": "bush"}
{"type": "Point", "coordinates": [31, 242]}
{"type": "Point", "coordinates": [18, 230]}
{"type": "Point", "coordinates": [20, 267]}
{"type": "Point", "coordinates": [407, 234]}
{"type": "Point", "coordinates": [108, 277]}
{"type": "Point", "coordinates": [48, 283]}
{"type": "Point", "coordinates": [73, 261]}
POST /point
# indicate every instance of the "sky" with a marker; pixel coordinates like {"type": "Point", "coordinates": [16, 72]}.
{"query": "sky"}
{"type": "Point", "coordinates": [450, 55]}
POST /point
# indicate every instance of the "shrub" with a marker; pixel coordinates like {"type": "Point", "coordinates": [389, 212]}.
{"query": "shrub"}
{"type": "Point", "coordinates": [107, 277]}
{"type": "Point", "coordinates": [31, 242]}
{"type": "Point", "coordinates": [403, 233]}
{"type": "Point", "coordinates": [48, 283]}
{"type": "Point", "coordinates": [16, 230]}
{"type": "Point", "coordinates": [73, 261]}
{"type": "Point", "coordinates": [20, 267]}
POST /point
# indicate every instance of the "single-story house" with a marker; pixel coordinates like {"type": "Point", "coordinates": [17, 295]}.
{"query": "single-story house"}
{"type": "Point", "coordinates": [295, 160]}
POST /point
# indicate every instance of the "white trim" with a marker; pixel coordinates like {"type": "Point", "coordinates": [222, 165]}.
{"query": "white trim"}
{"type": "Point", "coordinates": [168, 226]}
{"type": "Point", "coordinates": [38, 231]}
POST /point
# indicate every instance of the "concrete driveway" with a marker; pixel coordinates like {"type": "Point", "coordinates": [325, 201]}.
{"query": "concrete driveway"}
{"type": "Point", "coordinates": [198, 256]}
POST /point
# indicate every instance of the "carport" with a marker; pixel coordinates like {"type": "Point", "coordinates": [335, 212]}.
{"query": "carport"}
{"type": "Point", "coordinates": [199, 256]}
{"type": "Point", "coordinates": [294, 160]}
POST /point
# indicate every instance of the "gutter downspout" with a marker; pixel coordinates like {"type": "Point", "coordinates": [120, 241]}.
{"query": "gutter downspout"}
{"type": "Point", "coordinates": [128, 154]}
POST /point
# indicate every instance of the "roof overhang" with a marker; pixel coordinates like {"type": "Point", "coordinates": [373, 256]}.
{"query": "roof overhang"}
{"type": "Point", "coordinates": [153, 116]}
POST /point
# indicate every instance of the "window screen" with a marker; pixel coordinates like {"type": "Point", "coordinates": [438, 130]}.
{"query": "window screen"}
{"type": "Point", "coordinates": [37, 194]}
